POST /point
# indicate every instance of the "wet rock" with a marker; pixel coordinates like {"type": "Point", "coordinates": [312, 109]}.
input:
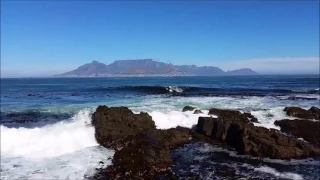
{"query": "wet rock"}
{"type": "Point", "coordinates": [315, 112]}
{"type": "Point", "coordinates": [256, 141]}
{"type": "Point", "coordinates": [188, 108]}
{"type": "Point", "coordinates": [147, 153]}
{"type": "Point", "coordinates": [300, 113]}
{"type": "Point", "coordinates": [251, 117]}
{"type": "Point", "coordinates": [306, 129]}
{"type": "Point", "coordinates": [233, 115]}
{"type": "Point", "coordinates": [270, 115]}
{"type": "Point", "coordinates": [113, 124]}
{"type": "Point", "coordinates": [197, 111]}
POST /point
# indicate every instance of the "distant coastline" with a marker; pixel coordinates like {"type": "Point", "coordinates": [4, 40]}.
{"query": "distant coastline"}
{"type": "Point", "coordinates": [148, 68]}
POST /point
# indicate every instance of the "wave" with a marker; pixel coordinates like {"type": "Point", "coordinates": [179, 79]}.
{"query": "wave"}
{"type": "Point", "coordinates": [50, 140]}
{"type": "Point", "coordinates": [192, 90]}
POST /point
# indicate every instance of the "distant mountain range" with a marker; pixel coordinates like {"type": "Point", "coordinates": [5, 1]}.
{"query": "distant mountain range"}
{"type": "Point", "coordinates": [148, 67]}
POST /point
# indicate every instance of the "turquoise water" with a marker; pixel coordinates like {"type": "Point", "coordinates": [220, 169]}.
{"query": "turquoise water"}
{"type": "Point", "coordinates": [46, 132]}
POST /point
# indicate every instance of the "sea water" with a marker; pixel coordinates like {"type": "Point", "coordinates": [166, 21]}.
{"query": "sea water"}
{"type": "Point", "coordinates": [46, 130]}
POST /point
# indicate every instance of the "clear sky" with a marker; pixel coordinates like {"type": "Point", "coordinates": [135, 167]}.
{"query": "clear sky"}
{"type": "Point", "coordinates": [51, 37]}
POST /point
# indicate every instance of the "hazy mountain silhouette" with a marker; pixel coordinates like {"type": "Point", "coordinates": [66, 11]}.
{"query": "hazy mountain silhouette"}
{"type": "Point", "coordinates": [146, 67]}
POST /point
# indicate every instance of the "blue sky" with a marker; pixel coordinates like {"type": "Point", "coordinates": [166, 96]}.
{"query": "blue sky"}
{"type": "Point", "coordinates": [50, 37]}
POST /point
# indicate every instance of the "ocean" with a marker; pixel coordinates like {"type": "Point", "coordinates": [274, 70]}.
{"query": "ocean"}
{"type": "Point", "coordinates": [46, 131]}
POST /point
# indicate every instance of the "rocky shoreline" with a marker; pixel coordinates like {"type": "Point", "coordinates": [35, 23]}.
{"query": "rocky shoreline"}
{"type": "Point", "coordinates": [144, 152]}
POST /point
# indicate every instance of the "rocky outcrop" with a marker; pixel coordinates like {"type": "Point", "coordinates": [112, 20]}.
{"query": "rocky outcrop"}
{"type": "Point", "coordinates": [197, 111]}
{"type": "Point", "coordinates": [147, 153]}
{"type": "Point", "coordinates": [312, 113]}
{"type": "Point", "coordinates": [233, 115]}
{"type": "Point", "coordinates": [113, 124]}
{"type": "Point", "coordinates": [141, 151]}
{"type": "Point", "coordinates": [308, 130]}
{"type": "Point", "coordinates": [256, 141]}
{"type": "Point", "coordinates": [188, 108]}
{"type": "Point", "coordinates": [315, 112]}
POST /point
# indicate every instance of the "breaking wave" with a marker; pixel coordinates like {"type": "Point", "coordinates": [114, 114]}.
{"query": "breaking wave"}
{"type": "Point", "coordinates": [189, 90]}
{"type": "Point", "coordinates": [51, 140]}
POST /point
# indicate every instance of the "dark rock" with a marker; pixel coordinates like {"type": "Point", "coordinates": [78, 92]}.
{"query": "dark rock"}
{"type": "Point", "coordinates": [298, 112]}
{"type": "Point", "coordinates": [197, 111]}
{"type": "Point", "coordinates": [251, 117]}
{"type": "Point", "coordinates": [255, 120]}
{"type": "Point", "coordinates": [315, 112]}
{"type": "Point", "coordinates": [256, 141]}
{"type": "Point", "coordinates": [147, 153]}
{"type": "Point", "coordinates": [188, 108]}
{"type": "Point", "coordinates": [308, 130]}
{"type": "Point", "coordinates": [232, 115]}
{"type": "Point", "coordinates": [225, 171]}
{"type": "Point", "coordinates": [115, 123]}
{"type": "Point", "coordinates": [270, 115]}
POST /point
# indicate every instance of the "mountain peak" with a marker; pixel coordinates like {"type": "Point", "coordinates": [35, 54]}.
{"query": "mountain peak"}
{"type": "Point", "coordinates": [95, 62]}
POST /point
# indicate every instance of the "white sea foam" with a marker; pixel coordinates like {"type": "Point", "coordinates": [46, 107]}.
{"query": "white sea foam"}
{"type": "Point", "coordinates": [174, 89]}
{"type": "Point", "coordinates": [65, 150]}
{"type": "Point", "coordinates": [173, 119]}
{"type": "Point", "coordinates": [49, 141]}
{"type": "Point", "coordinates": [274, 172]}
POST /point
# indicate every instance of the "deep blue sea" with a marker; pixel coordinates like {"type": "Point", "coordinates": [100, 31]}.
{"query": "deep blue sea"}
{"type": "Point", "coordinates": [46, 131]}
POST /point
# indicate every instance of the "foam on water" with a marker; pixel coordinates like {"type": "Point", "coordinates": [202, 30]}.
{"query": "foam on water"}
{"type": "Point", "coordinates": [166, 112]}
{"type": "Point", "coordinates": [65, 150]}
{"type": "Point", "coordinates": [274, 172]}
{"type": "Point", "coordinates": [49, 141]}
{"type": "Point", "coordinates": [174, 89]}
{"type": "Point", "coordinates": [173, 119]}
{"type": "Point", "coordinates": [68, 150]}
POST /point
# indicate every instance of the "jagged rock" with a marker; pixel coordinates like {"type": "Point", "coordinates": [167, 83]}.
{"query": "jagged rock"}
{"type": "Point", "coordinates": [306, 129]}
{"type": "Point", "coordinates": [197, 111]}
{"type": "Point", "coordinates": [232, 115]}
{"type": "Point", "coordinates": [188, 108]}
{"type": "Point", "coordinates": [302, 113]}
{"type": "Point", "coordinates": [251, 117]}
{"type": "Point", "coordinates": [315, 112]}
{"type": "Point", "coordinates": [115, 123]}
{"type": "Point", "coordinates": [255, 141]}
{"type": "Point", "coordinates": [147, 153]}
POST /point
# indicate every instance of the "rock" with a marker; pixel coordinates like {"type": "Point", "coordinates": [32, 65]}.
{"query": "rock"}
{"type": "Point", "coordinates": [232, 115]}
{"type": "Point", "coordinates": [256, 141]}
{"type": "Point", "coordinates": [197, 111]}
{"type": "Point", "coordinates": [147, 153]}
{"type": "Point", "coordinates": [315, 112]}
{"type": "Point", "coordinates": [251, 117]}
{"type": "Point", "coordinates": [115, 123]}
{"type": "Point", "coordinates": [188, 108]}
{"type": "Point", "coordinates": [270, 115]}
{"type": "Point", "coordinates": [308, 130]}
{"type": "Point", "coordinates": [298, 112]}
